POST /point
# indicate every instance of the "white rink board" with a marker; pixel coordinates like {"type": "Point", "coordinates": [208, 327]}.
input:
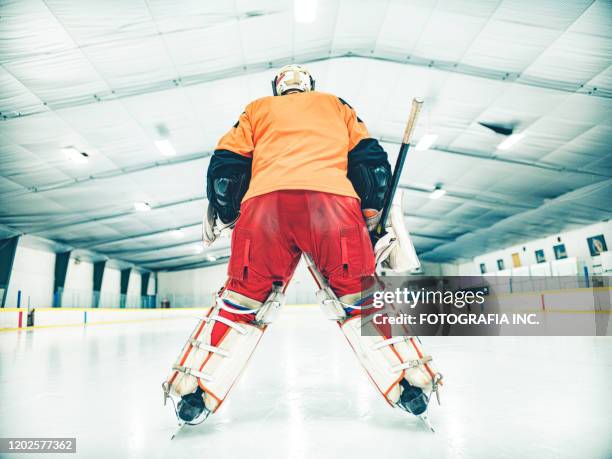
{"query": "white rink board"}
{"type": "Point", "coordinates": [9, 317]}
{"type": "Point", "coordinates": [53, 317]}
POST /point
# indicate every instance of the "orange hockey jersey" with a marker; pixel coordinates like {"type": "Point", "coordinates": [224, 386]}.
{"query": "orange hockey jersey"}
{"type": "Point", "coordinates": [298, 141]}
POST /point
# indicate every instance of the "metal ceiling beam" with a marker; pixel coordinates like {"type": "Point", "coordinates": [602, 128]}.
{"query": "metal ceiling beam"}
{"type": "Point", "coordinates": [128, 252]}
{"type": "Point", "coordinates": [564, 198]}
{"type": "Point", "coordinates": [156, 262]}
{"type": "Point", "coordinates": [478, 200]}
{"type": "Point", "coordinates": [515, 162]}
{"type": "Point", "coordinates": [107, 174]}
{"type": "Point", "coordinates": [430, 236]}
{"type": "Point", "coordinates": [113, 216]}
{"type": "Point", "coordinates": [218, 252]}
{"type": "Point", "coordinates": [442, 219]}
{"type": "Point", "coordinates": [307, 58]}
{"type": "Point", "coordinates": [195, 265]}
{"type": "Point", "coordinates": [140, 235]}
{"type": "Point", "coordinates": [68, 246]}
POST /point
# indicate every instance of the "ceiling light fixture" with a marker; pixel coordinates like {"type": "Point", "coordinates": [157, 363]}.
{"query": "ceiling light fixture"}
{"type": "Point", "coordinates": [165, 147]}
{"type": "Point", "coordinates": [305, 11]}
{"type": "Point", "coordinates": [211, 258]}
{"type": "Point", "coordinates": [142, 206]}
{"type": "Point", "coordinates": [426, 142]}
{"type": "Point", "coordinates": [75, 155]}
{"type": "Point", "coordinates": [510, 141]}
{"type": "Point", "coordinates": [198, 248]}
{"type": "Point", "coordinates": [177, 234]}
{"type": "Point", "coordinates": [438, 192]}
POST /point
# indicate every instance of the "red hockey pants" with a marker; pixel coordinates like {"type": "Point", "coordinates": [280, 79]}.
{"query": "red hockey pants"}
{"type": "Point", "coordinates": [275, 228]}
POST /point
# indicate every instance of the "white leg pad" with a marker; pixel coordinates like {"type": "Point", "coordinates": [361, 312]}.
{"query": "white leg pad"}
{"type": "Point", "coordinates": [388, 361]}
{"type": "Point", "coordinates": [214, 368]}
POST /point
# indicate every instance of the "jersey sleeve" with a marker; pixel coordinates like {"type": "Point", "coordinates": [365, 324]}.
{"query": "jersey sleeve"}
{"type": "Point", "coordinates": [362, 147]}
{"type": "Point", "coordinates": [368, 168]}
{"type": "Point", "coordinates": [239, 139]}
{"type": "Point", "coordinates": [357, 129]}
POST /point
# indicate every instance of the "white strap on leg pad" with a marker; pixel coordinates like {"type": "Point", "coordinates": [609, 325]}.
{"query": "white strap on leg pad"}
{"type": "Point", "coordinates": [265, 313]}
{"type": "Point", "coordinates": [271, 307]}
{"type": "Point", "coordinates": [388, 361]}
{"type": "Point", "coordinates": [335, 308]}
{"type": "Point", "coordinates": [330, 305]}
{"type": "Point", "coordinates": [214, 368]}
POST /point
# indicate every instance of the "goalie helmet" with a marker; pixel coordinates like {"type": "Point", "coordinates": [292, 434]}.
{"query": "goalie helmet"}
{"type": "Point", "coordinates": [292, 77]}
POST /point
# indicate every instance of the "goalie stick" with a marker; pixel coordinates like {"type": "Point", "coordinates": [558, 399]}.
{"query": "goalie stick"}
{"type": "Point", "coordinates": [399, 165]}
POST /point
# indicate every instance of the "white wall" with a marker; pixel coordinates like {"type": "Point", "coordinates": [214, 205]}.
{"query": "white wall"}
{"type": "Point", "coordinates": [133, 291]}
{"type": "Point", "coordinates": [194, 287]}
{"type": "Point", "coordinates": [110, 289]}
{"type": "Point", "coordinates": [302, 288]}
{"type": "Point", "coordinates": [79, 284]}
{"type": "Point", "coordinates": [575, 244]}
{"type": "Point", "coordinates": [151, 287]}
{"type": "Point", "coordinates": [434, 269]}
{"type": "Point", "coordinates": [33, 274]}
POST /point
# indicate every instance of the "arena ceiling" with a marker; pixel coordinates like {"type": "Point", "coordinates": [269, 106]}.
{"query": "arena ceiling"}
{"type": "Point", "coordinates": [113, 79]}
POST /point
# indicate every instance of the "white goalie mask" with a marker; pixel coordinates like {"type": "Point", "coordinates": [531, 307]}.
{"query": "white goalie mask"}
{"type": "Point", "coordinates": [292, 77]}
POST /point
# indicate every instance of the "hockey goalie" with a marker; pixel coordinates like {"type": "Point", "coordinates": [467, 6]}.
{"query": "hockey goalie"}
{"type": "Point", "coordinates": [298, 174]}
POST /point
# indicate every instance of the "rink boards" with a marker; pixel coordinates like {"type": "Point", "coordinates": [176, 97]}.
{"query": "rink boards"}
{"type": "Point", "coordinates": [575, 301]}
{"type": "Point", "coordinates": [16, 318]}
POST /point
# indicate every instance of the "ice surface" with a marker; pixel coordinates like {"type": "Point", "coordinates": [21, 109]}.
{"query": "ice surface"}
{"type": "Point", "coordinates": [304, 395]}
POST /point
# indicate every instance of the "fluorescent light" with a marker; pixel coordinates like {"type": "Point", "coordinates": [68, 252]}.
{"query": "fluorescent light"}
{"type": "Point", "coordinates": [142, 206]}
{"type": "Point", "coordinates": [305, 11]}
{"type": "Point", "coordinates": [426, 141]}
{"type": "Point", "coordinates": [165, 147]}
{"type": "Point", "coordinates": [198, 248]}
{"type": "Point", "coordinates": [438, 192]}
{"type": "Point", "coordinates": [177, 234]}
{"type": "Point", "coordinates": [211, 258]}
{"type": "Point", "coordinates": [510, 141]}
{"type": "Point", "coordinates": [75, 155]}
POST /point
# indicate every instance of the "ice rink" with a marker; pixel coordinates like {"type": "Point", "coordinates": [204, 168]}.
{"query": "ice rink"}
{"type": "Point", "coordinates": [304, 395]}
